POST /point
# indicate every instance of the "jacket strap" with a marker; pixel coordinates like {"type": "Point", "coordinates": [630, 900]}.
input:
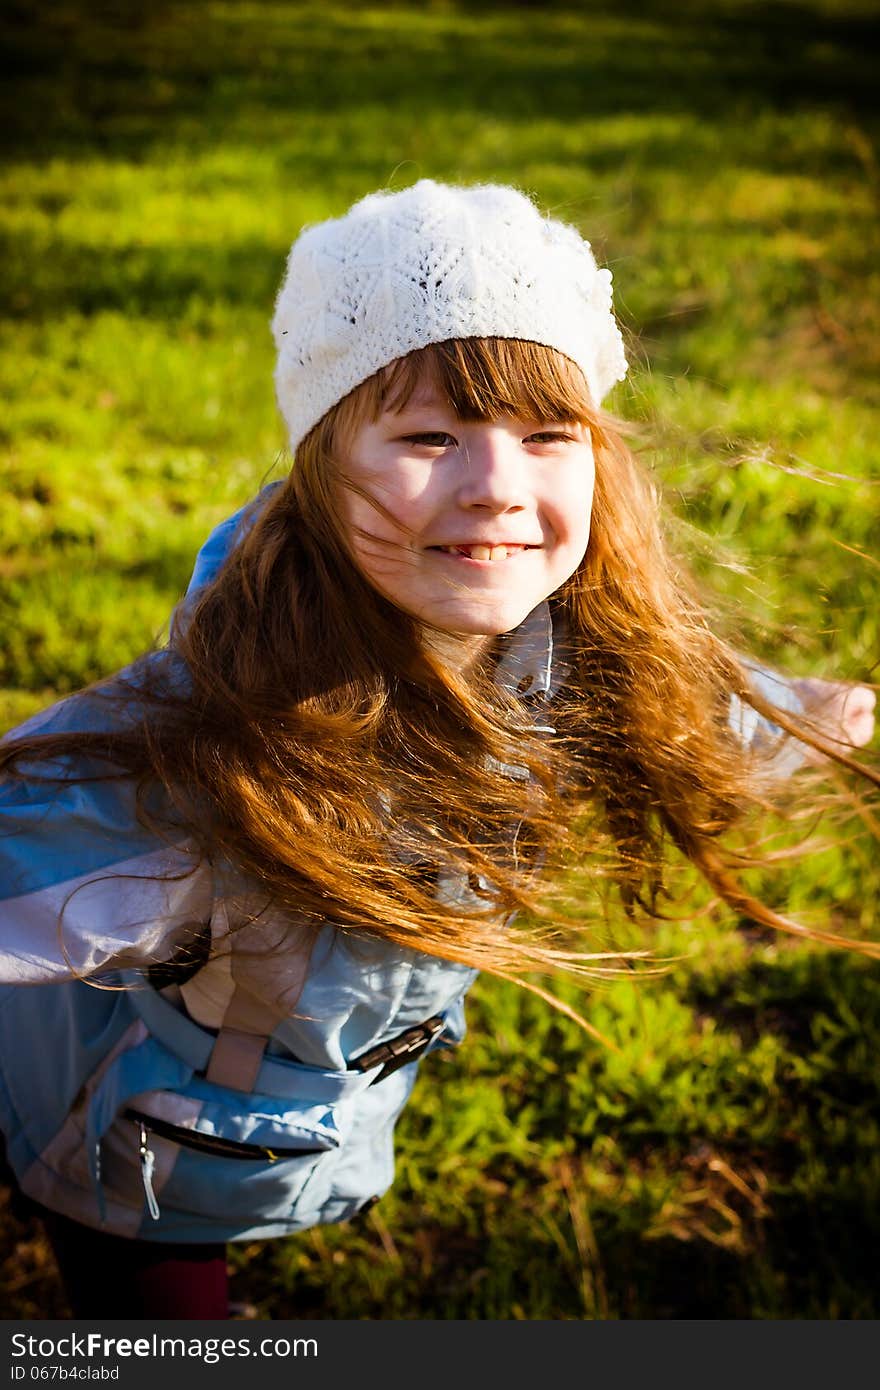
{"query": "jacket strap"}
{"type": "Point", "coordinates": [250, 1019]}
{"type": "Point", "coordinates": [236, 1058]}
{"type": "Point", "coordinates": [251, 979]}
{"type": "Point", "coordinates": [275, 1076]}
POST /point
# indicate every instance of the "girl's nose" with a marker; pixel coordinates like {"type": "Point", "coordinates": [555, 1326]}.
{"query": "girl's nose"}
{"type": "Point", "coordinates": [492, 473]}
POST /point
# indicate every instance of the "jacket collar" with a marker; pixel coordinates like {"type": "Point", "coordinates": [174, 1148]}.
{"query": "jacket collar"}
{"type": "Point", "coordinates": [531, 664]}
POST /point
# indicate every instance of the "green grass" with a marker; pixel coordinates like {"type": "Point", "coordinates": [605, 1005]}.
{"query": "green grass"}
{"type": "Point", "coordinates": [723, 161]}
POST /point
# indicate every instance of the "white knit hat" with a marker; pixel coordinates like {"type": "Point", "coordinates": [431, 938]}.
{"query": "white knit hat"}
{"type": "Point", "coordinates": [401, 270]}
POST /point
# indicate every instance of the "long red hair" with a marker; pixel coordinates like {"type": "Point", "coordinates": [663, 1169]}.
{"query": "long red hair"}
{"type": "Point", "coordinates": [320, 747]}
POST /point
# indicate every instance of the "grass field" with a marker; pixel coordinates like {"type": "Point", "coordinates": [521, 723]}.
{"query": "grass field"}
{"type": "Point", "coordinates": [722, 159]}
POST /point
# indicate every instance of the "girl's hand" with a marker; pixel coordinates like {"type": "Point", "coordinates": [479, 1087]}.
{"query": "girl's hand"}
{"type": "Point", "coordinates": [842, 713]}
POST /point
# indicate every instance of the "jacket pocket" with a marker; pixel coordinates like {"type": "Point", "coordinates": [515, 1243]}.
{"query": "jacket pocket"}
{"type": "Point", "coordinates": [189, 1137]}
{"type": "Point", "coordinates": [182, 1158]}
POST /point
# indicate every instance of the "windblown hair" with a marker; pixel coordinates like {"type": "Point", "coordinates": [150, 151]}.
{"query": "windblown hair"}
{"type": "Point", "coordinates": [319, 745]}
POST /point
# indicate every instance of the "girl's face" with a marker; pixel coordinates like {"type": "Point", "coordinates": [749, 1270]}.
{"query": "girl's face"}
{"type": "Point", "coordinates": [475, 522]}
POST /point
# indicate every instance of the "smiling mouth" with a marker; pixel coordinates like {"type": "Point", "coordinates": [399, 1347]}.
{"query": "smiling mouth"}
{"type": "Point", "coordinates": [482, 552]}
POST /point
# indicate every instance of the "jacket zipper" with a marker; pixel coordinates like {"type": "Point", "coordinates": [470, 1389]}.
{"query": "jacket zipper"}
{"type": "Point", "coordinates": [206, 1143]}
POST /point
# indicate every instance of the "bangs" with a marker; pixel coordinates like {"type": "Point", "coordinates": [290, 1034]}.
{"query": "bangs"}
{"type": "Point", "coordinates": [483, 378]}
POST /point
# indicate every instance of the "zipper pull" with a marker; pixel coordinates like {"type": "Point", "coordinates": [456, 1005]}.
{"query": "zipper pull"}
{"type": "Point", "coordinates": [148, 1164]}
{"type": "Point", "coordinates": [96, 1178]}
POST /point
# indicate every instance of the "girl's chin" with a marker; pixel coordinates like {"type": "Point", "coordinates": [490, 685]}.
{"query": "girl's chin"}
{"type": "Point", "coordinates": [474, 630]}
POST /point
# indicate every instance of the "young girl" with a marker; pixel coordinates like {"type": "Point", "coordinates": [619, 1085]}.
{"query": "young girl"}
{"type": "Point", "coordinates": [247, 882]}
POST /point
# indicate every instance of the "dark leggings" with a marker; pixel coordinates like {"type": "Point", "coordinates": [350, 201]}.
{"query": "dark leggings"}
{"type": "Point", "coordinates": [108, 1276]}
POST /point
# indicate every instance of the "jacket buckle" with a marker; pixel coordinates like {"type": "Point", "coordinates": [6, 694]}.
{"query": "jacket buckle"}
{"type": "Point", "coordinates": [405, 1048]}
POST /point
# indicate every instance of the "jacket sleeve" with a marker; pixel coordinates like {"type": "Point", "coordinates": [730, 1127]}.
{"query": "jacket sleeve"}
{"type": "Point", "coordinates": [760, 735]}
{"type": "Point", "coordinates": [85, 888]}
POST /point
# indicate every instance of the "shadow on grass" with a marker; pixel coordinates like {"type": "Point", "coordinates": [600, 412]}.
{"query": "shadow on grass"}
{"type": "Point", "coordinates": [327, 95]}
{"type": "Point", "coordinates": [112, 78]}
{"type": "Point", "coordinates": [807, 999]}
{"type": "Point", "coordinates": [159, 282]}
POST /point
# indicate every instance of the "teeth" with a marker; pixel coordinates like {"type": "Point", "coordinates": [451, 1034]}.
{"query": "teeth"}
{"type": "Point", "coordinates": [481, 552]}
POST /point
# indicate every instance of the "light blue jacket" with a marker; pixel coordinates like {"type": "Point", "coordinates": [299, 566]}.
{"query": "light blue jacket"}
{"type": "Point", "coordinates": [255, 1049]}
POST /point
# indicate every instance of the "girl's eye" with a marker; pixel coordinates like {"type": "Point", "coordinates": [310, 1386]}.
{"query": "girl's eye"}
{"type": "Point", "coordinates": [430, 439]}
{"type": "Point", "coordinates": [551, 437]}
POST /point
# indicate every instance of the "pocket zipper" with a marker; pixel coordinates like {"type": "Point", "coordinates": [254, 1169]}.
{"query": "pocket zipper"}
{"type": "Point", "coordinates": [203, 1143]}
